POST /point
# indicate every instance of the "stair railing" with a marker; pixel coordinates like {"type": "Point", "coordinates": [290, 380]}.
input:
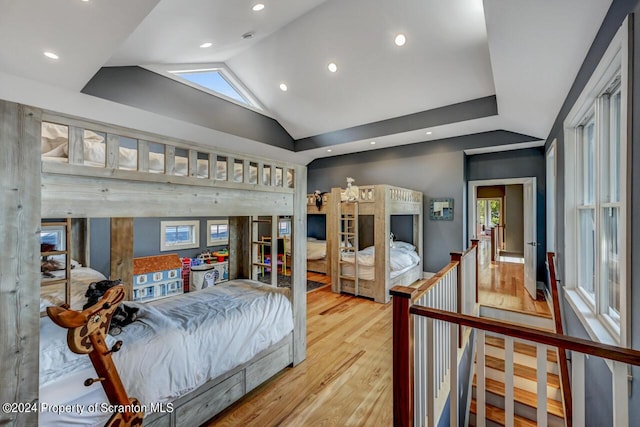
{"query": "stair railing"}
{"type": "Point", "coordinates": [422, 388]}
{"type": "Point", "coordinates": [620, 358]}
{"type": "Point", "coordinates": [562, 355]}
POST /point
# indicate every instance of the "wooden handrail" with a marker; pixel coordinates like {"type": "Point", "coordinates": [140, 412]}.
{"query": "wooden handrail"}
{"type": "Point", "coordinates": [562, 354]}
{"type": "Point", "coordinates": [432, 281]}
{"type": "Point", "coordinates": [606, 351]}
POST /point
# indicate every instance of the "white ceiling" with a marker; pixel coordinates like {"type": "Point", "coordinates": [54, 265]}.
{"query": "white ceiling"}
{"type": "Point", "coordinates": [525, 52]}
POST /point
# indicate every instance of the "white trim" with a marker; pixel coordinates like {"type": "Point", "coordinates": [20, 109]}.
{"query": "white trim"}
{"type": "Point", "coordinates": [217, 242]}
{"type": "Point", "coordinates": [195, 243]}
{"type": "Point", "coordinates": [169, 70]}
{"type": "Point", "coordinates": [551, 163]}
{"type": "Point", "coordinates": [612, 64]}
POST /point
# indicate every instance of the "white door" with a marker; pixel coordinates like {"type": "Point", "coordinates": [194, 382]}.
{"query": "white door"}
{"type": "Point", "coordinates": [530, 243]}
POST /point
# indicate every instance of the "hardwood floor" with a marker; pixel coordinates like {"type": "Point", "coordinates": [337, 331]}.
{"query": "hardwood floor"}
{"type": "Point", "coordinates": [345, 380]}
{"type": "Point", "coordinates": [501, 284]}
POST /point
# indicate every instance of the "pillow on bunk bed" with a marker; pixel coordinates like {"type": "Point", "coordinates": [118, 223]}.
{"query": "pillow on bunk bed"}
{"type": "Point", "coordinates": [403, 245]}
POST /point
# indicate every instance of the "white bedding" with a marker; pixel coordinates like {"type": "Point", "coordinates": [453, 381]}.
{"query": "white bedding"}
{"type": "Point", "coordinates": [316, 249]}
{"type": "Point", "coordinates": [177, 345]}
{"type": "Point", "coordinates": [80, 279]}
{"type": "Point", "coordinates": [401, 258]}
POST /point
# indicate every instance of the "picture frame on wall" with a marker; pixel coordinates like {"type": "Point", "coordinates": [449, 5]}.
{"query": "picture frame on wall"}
{"type": "Point", "coordinates": [441, 209]}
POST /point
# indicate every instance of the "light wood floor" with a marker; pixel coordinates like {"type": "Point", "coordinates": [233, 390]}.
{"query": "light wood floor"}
{"type": "Point", "coordinates": [346, 378]}
{"type": "Point", "coordinates": [501, 284]}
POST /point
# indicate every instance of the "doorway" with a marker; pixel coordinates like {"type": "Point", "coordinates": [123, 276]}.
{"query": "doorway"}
{"type": "Point", "coordinates": [516, 236]}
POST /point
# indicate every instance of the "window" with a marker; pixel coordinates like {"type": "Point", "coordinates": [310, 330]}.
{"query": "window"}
{"type": "Point", "coordinates": [595, 199]}
{"type": "Point", "coordinates": [53, 238]}
{"type": "Point", "coordinates": [218, 232]}
{"type": "Point", "coordinates": [284, 227]}
{"type": "Point", "coordinates": [175, 235]}
{"type": "Point", "coordinates": [215, 79]}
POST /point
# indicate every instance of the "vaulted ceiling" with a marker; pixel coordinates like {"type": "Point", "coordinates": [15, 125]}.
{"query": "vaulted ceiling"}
{"type": "Point", "coordinates": [520, 56]}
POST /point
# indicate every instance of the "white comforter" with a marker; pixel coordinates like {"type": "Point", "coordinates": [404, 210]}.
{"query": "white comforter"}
{"type": "Point", "coordinates": [400, 257]}
{"type": "Point", "coordinates": [80, 279]}
{"type": "Point", "coordinates": [316, 249]}
{"type": "Point", "coordinates": [177, 344]}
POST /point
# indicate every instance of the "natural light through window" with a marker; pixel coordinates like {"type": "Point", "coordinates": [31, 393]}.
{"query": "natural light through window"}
{"type": "Point", "coordinates": [214, 81]}
{"type": "Point", "coordinates": [218, 232]}
{"type": "Point", "coordinates": [176, 235]}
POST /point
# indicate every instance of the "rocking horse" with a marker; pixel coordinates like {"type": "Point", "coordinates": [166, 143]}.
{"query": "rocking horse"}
{"type": "Point", "coordinates": [86, 335]}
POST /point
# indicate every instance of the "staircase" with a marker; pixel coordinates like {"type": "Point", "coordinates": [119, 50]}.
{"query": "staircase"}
{"type": "Point", "coordinates": [524, 382]}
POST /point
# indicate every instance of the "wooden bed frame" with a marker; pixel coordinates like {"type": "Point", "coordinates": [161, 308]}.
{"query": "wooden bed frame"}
{"type": "Point", "coordinates": [321, 265]}
{"type": "Point", "coordinates": [380, 201]}
{"type": "Point", "coordinates": [72, 189]}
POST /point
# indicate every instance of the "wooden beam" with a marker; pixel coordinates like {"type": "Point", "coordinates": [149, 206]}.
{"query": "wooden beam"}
{"type": "Point", "coordinates": [239, 247]}
{"type": "Point", "coordinates": [299, 266]}
{"type": "Point", "coordinates": [20, 131]}
{"type": "Point", "coordinates": [122, 252]}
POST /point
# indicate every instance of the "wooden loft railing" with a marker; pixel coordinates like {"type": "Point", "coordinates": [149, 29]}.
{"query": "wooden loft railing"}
{"type": "Point", "coordinates": [425, 341]}
{"type": "Point", "coordinates": [452, 288]}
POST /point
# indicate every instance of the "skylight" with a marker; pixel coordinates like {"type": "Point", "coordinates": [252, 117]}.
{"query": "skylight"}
{"type": "Point", "coordinates": [213, 78]}
{"type": "Point", "coordinates": [214, 81]}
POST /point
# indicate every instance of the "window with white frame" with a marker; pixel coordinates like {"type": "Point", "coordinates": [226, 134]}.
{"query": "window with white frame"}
{"type": "Point", "coordinates": [217, 232]}
{"type": "Point", "coordinates": [595, 198]}
{"type": "Point", "coordinates": [284, 226]}
{"type": "Point", "coordinates": [176, 235]}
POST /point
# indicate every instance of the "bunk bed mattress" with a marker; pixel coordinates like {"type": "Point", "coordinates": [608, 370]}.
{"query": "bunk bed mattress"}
{"type": "Point", "coordinates": [81, 277]}
{"type": "Point", "coordinates": [401, 259]}
{"type": "Point", "coordinates": [316, 249]}
{"type": "Point", "coordinates": [176, 346]}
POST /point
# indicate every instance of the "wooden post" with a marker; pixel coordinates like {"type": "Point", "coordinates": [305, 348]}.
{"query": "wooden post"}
{"type": "Point", "coordinates": [122, 253]}
{"type": "Point", "coordinates": [457, 257]}
{"type": "Point", "coordinates": [474, 243]}
{"type": "Point", "coordinates": [562, 354]}
{"type": "Point", "coordinates": [493, 244]}
{"type": "Point", "coordinates": [20, 183]}
{"type": "Point", "coordinates": [402, 356]}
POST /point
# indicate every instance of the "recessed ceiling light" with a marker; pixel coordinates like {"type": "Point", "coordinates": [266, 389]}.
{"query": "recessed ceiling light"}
{"type": "Point", "coordinates": [51, 55]}
{"type": "Point", "coordinates": [329, 150]}
{"type": "Point", "coordinates": [332, 67]}
{"type": "Point", "coordinates": [429, 133]}
{"type": "Point", "coordinates": [400, 40]}
{"type": "Point", "coordinates": [373, 143]}
{"type": "Point", "coordinates": [258, 7]}
{"type": "Point", "coordinates": [283, 87]}
{"type": "Point", "coordinates": [86, 1]}
{"type": "Point", "coordinates": [207, 44]}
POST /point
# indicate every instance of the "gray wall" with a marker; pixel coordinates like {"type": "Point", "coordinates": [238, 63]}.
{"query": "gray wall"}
{"type": "Point", "coordinates": [517, 164]}
{"type": "Point", "coordinates": [598, 391]}
{"type": "Point", "coordinates": [514, 218]}
{"type": "Point", "coordinates": [146, 240]}
{"type": "Point", "coordinates": [436, 168]}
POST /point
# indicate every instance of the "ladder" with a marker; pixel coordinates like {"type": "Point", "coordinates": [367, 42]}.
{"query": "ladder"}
{"type": "Point", "coordinates": [348, 242]}
{"type": "Point", "coordinates": [258, 245]}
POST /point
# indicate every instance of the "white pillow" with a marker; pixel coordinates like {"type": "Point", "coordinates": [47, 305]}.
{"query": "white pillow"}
{"type": "Point", "coordinates": [403, 245]}
{"type": "Point", "coordinates": [56, 359]}
{"type": "Point", "coordinates": [61, 151]}
{"type": "Point", "coordinates": [53, 136]}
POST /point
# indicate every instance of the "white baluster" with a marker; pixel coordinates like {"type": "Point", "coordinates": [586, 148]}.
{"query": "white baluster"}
{"type": "Point", "coordinates": [453, 384]}
{"type": "Point", "coordinates": [431, 422]}
{"type": "Point", "coordinates": [508, 381]}
{"type": "Point", "coordinates": [620, 395]}
{"type": "Point", "coordinates": [541, 370]}
{"type": "Point", "coordinates": [480, 381]}
{"type": "Point", "coordinates": [577, 388]}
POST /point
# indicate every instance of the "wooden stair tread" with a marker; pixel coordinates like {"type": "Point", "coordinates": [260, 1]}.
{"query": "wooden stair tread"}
{"type": "Point", "coordinates": [524, 397]}
{"type": "Point", "coordinates": [521, 371]}
{"type": "Point", "coordinates": [527, 312]}
{"type": "Point", "coordinates": [522, 348]}
{"type": "Point", "coordinates": [497, 415]}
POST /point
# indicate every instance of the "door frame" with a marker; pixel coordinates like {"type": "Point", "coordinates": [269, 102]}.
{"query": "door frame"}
{"type": "Point", "coordinates": [473, 198]}
{"type": "Point", "coordinates": [551, 186]}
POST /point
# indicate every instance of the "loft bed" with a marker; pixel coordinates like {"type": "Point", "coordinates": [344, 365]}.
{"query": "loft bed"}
{"type": "Point", "coordinates": [372, 271]}
{"type": "Point", "coordinates": [135, 174]}
{"type": "Point", "coordinates": [318, 253]}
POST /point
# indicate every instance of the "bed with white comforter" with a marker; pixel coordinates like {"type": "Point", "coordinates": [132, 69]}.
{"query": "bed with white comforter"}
{"type": "Point", "coordinates": [402, 258]}
{"type": "Point", "coordinates": [175, 346]}
{"type": "Point", "coordinates": [81, 277]}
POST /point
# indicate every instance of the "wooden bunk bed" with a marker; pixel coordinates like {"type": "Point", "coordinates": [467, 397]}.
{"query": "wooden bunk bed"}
{"type": "Point", "coordinates": [381, 202]}
{"type": "Point", "coordinates": [320, 265]}
{"type": "Point", "coordinates": [172, 178]}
